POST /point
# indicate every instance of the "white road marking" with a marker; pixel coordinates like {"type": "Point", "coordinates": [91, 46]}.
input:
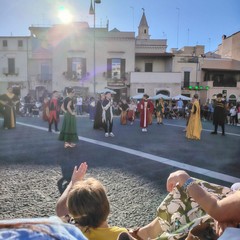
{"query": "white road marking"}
{"type": "Point", "coordinates": [143, 155]}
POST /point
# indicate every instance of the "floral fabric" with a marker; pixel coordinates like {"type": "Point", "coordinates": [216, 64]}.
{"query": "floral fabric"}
{"type": "Point", "coordinates": [179, 214]}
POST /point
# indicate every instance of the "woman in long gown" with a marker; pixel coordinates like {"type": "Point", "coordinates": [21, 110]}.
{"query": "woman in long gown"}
{"type": "Point", "coordinates": [68, 132]}
{"type": "Point", "coordinates": [9, 101]}
{"type": "Point", "coordinates": [194, 127]}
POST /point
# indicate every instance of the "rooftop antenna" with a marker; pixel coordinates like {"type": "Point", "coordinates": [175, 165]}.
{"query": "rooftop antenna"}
{"type": "Point", "coordinates": [178, 9]}
{"type": "Point", "coordinates": [209, 42]}
{"type": "Point", "coordinates": [132, 16]}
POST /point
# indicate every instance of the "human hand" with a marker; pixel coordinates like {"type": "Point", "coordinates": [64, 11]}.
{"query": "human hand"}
{"type": "Point", "coordinates": [178, 177]}
{"type": "Point", "coordinates": [79, 172]}
{"type": "Point", "coordinates": [221, 226]}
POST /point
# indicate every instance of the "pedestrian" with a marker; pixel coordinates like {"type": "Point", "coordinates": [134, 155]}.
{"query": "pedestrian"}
{"type": "Point", "coordinates": [98, 123]}
{"type": "Point", "coordinates": [9, 101]}
{"type": "Point", "coordinates": [233, 114]}
{"type": "Point", "coordinates": [68, 132]}
{"type": "Point", "coordinates": [107, 115]}
{"type": "Point", "coordinates": [194, 127]}
{"type": "Point", "coordinates": [219, 114]}
{"type": "Point", "coordinates": [160, 111]}
{"type": "Point", "coordinates": [180, 106]}
{"type": "Point", "coordinates": [144, 107]}
{"type": "Point", "coordinates": [124, 109]}
{"type": "Point", "coordinates": [79, 105]}
{"type": "Point", "coordinates": [54, 111]}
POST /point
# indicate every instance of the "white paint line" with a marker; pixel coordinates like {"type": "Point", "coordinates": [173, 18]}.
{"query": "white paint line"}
{"type": "Point", "coordinates": [206, 130]}
{"type": "Point", "coordinates": [143, 155]}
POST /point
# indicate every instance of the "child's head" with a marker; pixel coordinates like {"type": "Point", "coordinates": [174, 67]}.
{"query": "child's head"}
{"type": "Point", "coordinates": [88, 204]}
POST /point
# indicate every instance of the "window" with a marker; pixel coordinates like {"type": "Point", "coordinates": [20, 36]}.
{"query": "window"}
{"type": "Point", "coordinates": [148, 67]}
{"type": "Point", "coordinates": [224, 80]}
{"type": "Point", "coordinates": [186, 79]}
{"type": "Point", "coordinates": [5, 43]}
{"type": "Point", "coordinates": [11, 66]}
{"type": "Point", "coordinates": [76, 68]}
{"type": "Point", "coordinates": [45, 72]}
{"type": "Point", "coordinates": [20, 43]}
{"type": "Point", "coordinates": [140, 90]}
{"type": "Point", "coordinates": [116, 68]}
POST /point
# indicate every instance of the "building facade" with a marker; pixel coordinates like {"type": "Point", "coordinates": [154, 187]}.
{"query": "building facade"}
{"type": "Point", "coordinates": [91, 59]}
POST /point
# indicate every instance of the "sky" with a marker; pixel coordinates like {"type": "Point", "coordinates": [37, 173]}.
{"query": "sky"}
{"type": "Point", "coordinates": [181, 22]}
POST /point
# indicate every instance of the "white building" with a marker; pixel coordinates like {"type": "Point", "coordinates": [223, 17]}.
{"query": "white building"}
{"type": "Point", "coordinates": [90, 59]}
{"type": "Point", "coordinates": [14, 63]}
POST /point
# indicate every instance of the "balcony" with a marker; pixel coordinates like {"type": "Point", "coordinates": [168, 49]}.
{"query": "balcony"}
{"type": "Point", "coordinates": [74, 76]}
{"type": "Point", "coordinates": [192, 59]}
{"type": "Point", "coordinates": [8, 72]}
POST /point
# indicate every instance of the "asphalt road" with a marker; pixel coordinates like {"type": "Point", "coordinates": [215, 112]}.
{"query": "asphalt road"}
{"type": "Point", "coordinates": [133, 165]}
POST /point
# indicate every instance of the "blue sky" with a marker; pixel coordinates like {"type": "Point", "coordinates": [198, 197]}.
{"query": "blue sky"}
{"type": "Point", "coordinates": [181, 22]}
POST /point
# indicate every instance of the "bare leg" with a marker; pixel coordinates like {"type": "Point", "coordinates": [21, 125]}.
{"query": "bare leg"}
{"type": "Point", "coordinates": [152, 230]}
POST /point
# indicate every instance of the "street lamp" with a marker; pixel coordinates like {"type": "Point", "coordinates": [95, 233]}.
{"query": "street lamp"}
{"type": "Point", "coordinates": [93, 12]}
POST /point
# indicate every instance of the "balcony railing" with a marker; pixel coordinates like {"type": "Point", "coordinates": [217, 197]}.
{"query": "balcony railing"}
{"type": "Point", "coordinates": [8, 72]}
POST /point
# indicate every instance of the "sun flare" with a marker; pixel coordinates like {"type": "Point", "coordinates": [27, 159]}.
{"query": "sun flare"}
{"type": "Point", "coordinates": [64, 15]}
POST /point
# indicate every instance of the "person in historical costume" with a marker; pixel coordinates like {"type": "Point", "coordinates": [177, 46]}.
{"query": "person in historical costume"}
{"type": "Point", "coordinates": [107, 115]}
{"type": "Point", "coordinates": [150, 112]}
{"type": "Point", "coordinates": [219, 114]}
{"type": "Point", "coordinates": [98, 124]}
{"type": "Point", "coordinates": [160, 111]}
{"type": "Point", "coordinates": [9, 101]}
{"type": "Point", "coordinates": [194, 127]}
{"type": "Point", "coordinates": [144, 107]}
{"type": "Point", "coordinates": [131, 111]}
{"type": "Point", "coordinates": [124, 109]}
{"type": "Point", "coordinates": [188, 113]}
{"type": "Point", "coordinates": [45, 109]}
{"type": "Point", "coordinates": [92, 108]}
{"type": "Point", "coordinates": [68, 133]}
{"type": "Point", "coordinates": [54, 111]}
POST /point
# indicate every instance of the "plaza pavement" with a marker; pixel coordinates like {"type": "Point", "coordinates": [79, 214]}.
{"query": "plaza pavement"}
{"type": "Point", "coordinates": [133, 165]}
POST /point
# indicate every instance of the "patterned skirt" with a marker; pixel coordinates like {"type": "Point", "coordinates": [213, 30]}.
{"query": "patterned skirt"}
{"type": "Point", "coordinates": [179, 215]}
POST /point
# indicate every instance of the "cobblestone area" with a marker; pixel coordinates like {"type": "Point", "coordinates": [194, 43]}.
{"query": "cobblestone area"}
{"type": "Point", "coordinates": [32, 191]}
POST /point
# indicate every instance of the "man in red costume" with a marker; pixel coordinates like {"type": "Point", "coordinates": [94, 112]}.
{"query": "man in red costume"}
{"type": "Point", "coordinates": [144, 107]}
{"type": "Point", "coordinates": [54, 109]}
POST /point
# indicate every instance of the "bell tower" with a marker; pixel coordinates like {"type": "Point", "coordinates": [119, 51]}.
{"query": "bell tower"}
{"type": "Point", "coordinates": [143, 28]}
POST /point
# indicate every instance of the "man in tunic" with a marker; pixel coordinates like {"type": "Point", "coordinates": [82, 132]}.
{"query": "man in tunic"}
{"type": "Point", "coordinates": [124, 109]}
{"type": "Point", "coordinates": [107, 115]}
{"type": "Point", "coordinates": [144, 106]}
{"type": "Point", "coordinates": [54, 110]}
{"type": "Point", "coordinates": [219, 114]}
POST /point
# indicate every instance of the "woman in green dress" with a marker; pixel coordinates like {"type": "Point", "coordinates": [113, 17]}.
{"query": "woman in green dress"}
{"type": "Point", "coordinates": [68, 132]}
